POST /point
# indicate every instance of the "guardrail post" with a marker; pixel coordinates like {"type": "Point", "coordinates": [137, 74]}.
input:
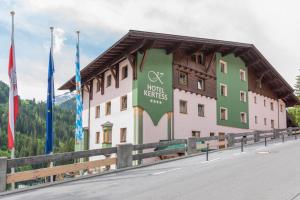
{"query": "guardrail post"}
{"type": "Point", "coordinates": [256, 136]}
{"type": "Point", "coordinates": [191, 145]}
{"type": "Point", "coordinates": [230, 139]}
{"type": "Point", "coordinates": [265, 141]}
{"type": "Point", "coordinates": [3, 170]}
{"type": "Point", "coordinates": [282, 136]}
{"type": "Point", "coordinates": [242, 144]}
{"type": "Point", "coordinates": [124, 155]}
{"type": "Point", "coordinates": [207, 149]}
{"type": "Point", "coordinates": [275, 133]}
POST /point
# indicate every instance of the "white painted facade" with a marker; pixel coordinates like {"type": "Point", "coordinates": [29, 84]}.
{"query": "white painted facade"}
{"type": "Point", "coordinates": [119, 119]}
{"type": "Point", "coordinates": [262, 111]}
{"type": "Point", "coordinates": [184, 124]}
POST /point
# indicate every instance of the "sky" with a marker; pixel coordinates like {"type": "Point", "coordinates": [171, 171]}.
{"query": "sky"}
{"type": "Point", "coordinates": [272, 26]}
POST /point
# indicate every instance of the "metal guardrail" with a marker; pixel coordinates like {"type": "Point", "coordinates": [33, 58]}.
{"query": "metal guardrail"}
{"type": "Point", "coordinates": [125, 154]}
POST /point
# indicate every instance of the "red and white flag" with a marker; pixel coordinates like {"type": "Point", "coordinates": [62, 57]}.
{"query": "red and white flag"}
{"type": "Point", "coordinates": [13, 97]}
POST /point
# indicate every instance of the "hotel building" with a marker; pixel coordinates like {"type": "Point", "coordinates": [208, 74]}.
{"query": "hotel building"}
{"type": "Point", "coordinates": [151, 86]}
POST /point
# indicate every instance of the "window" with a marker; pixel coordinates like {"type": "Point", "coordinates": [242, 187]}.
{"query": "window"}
{"type": "Point", "coordinates": [255, 101]}
{"type": "Point", "coordinates": [183, 107]}
{"type": "Point", "coordinates": [221, 137]}
{"type": "Point", "coordinates": [200, 84]}
{"type": "Point", "coordinates": [98, 86]}
{"type": "Point", "coordinates": [200, 110]}
{"type": "Point", "coordinates": [97, 137]}
{"type": "Point", "coordinates": [281, 108]}
{"type": "Point", "coordinates": [243, 117]}
{"type": "Point", "coordinates": [107, 136]}
{"type": "Point", "coordinates": [272, 123]}
{"type": "Point", "coordinates": [211, 134]}
{"type": "Point", "coordinates": [242, 75]}
{"type": "Point", "coordinates": [198, 58]}
{"type": "Point", "coordinates": [124, 102]}
{"type": "Point", "coordinates": [223, 89]}
{"type": "Point", "coordinates": [272, 106]}
{"type": "Point", "coordinates": [265, 121]}
{"type": "Point", "coordinates": [108, 108]}
{"type": "Point", "coordinates": [223, 113]}
{"type": "Point", "coordinates": [242, 96]}
{"type": "Point", "coordinates": [255, 120]}
{"type": "Point", "coordinates": [123, 132]}
{"type": "Point", "coordinates": [196, 134]}
{"type": "Point", "coordinates": [223, 65]}
{"type": "Point", "coordinates": [183, 78]}
{"type": "Point", "coordinates": [97, 113]}
{"type": "Point", "coordinates": [124, 72]}
{"type": "Point", "coordinates": [265, 103]}
{"type": "Point", "coordinates": [108, 81]}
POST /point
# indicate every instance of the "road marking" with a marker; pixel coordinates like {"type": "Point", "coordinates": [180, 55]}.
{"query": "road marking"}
{"type": "Point", "coordinates": [263, 152]}
{"type": "Point", "coordinates": [163, 172]}
{"type": "Point", "coordinates": [212, 160]}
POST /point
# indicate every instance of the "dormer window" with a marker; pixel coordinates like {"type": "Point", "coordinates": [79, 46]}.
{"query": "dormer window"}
{"type": "Point", "coordinates": [198, 58]}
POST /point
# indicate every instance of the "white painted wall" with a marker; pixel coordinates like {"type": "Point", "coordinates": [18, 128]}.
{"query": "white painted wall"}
{"type": "Point", "coordinates": [184, 124]}
{"type": "Point", "coordinates": [120, 119]}
{"type": "Point", "coordinates": [153, 133]}
{"type": "Point", "coordinates": [258, 109]}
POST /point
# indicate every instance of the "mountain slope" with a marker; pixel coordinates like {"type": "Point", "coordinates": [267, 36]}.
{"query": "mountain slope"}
{"type": "Point", "coordinates": [31, 126]}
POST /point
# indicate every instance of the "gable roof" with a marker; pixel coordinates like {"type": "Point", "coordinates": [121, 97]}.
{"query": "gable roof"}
{"type": "Point", "coordinates": [134, 41]}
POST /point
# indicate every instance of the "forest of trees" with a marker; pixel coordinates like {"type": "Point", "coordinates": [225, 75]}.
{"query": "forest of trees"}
{"type": "Point", "coordinates": [294, 112]}
{"type": "Point", "coordinates": [31, 126]}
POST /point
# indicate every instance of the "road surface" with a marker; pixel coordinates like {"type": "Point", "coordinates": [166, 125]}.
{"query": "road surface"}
{"type": "Point", "coordinates": [257, 174]}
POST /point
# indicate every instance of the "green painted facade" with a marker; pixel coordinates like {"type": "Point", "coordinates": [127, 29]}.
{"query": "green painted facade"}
{"type": "Point", "coordinates": [152, 91]}
{"type": "Point", "coordinates": [234, 85]}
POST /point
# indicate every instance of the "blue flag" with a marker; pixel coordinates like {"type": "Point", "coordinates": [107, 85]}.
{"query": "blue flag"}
{"type": "Point", "coordinates": [49, 111]}
{"type": "Point", "coordinates": [79, 132]}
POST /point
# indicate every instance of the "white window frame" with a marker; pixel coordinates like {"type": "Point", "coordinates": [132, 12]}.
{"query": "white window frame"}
{"type": "Point", "coordinates": [226, 113]}
{"type": "Point", "coordinates": [245, 97]}
{"type": "Point", "coordinates": [203, 108]}
{"type": "Point", "coordinates": [244, 122]}
{"type": "Point", "coordinates": [226, 89]}
{"type": "Point", "coordinates": [202, 85]}
{"type": "Point", "coordinates": [225, 66]}
{"type": "Point", "coordinates": [244, 75]}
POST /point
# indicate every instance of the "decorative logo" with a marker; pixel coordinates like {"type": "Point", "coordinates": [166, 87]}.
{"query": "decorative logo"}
{"type": "Point", "coordinates": [155, 76]}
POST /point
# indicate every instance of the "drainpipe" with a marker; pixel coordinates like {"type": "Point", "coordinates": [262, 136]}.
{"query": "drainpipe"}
{"type": "Point", "coordinates": [89, 111]}
{"type": "Point", "coordinates": [278, 113]}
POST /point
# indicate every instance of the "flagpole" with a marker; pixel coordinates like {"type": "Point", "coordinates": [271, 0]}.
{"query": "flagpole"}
{"type": "Point", "coordinates": [12, 43]}
{"type": "Point", "coordinates": [51, 49]}
{"type": "Point", "coordinates": [78, 101]}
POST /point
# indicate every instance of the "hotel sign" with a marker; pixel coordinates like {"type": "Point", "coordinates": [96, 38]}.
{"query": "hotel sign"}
{"type": "Point", "coordinates": [152, 90]}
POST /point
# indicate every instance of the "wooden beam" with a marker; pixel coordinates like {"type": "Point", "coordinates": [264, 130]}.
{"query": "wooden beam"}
{"type": "Point", "coordinates": [240, 53]}
{"type": "Point", "coordinates": [148, 45]}
{"type": "Point", "coordinates": [115, 73]}
{"type": "Point", "coordinates": [214, 49]}
{"type": "Point", "coordinates": [210, 62]}
{"type": "Point", "coordinates": [130, 50]}
{"type": "Point", "coordinates": [50, 171]}
{"type": "Point", "coordinates": [143, 60]}
{"type": "Point", "coordinates": [232, 50]}
{"type": "Point", "coordinates": [196, 49]}
{"type": "Point", "coordinates": [256, 62]}
{"type": "Point", "coordinates": [173, 48]}
{"type": "Point", "coordinates": [133, 65]}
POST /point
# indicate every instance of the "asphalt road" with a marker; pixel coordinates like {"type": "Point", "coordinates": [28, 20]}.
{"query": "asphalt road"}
{"type": "Point", "coordinates": [257, 174]}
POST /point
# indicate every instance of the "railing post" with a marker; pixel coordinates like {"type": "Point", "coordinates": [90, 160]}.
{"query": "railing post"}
{"type": "Point", "coordinates": [275, 133]}
{"type": "Point", "coordinates": [242, 144]}
{"type": "Point", "coordinates": [3, 171]}
{"type": "Point", "coordinates": [256, 136]}
{"type": "Point", "coordinates": [265, 141]}
{"type": "Point", "coordinates": [124, 155]}
{"type": "Point", "coordinates": [207, 149]}
{"type": "Point", "coordinates": [191, 145]}
{"type": "Point", "coordinates": [230, 139]}
{"type": "Point", "coordinates": [282, 136]}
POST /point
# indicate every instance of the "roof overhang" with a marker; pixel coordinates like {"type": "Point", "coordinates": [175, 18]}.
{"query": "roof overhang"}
{"type": "Point", "coordinates": [135, 41]}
